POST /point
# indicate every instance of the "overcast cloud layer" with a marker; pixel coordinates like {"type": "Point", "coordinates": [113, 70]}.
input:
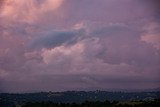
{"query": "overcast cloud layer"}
{"type": "Point", "coordinates": [59, 45]}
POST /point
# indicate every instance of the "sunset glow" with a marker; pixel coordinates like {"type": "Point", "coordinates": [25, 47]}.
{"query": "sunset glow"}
{"type": "Point", "coordinates": [79, 45]}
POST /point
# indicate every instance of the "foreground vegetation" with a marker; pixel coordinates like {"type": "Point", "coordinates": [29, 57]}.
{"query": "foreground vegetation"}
{"type": "Point", "coordinates": [154, 103]}
{"type": "Point", "coordinates": [81, 99]}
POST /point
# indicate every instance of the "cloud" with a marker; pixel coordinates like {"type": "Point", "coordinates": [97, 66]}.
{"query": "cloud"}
{"type": "Point", "coordinates": [78, 44]}
{"type": "Point", "coordinates": [3, 74]}
{"type": "Point", "coordinates": [152, 35]}
{"type": "Point", "coordinates": [107, 10]}
{"type": "Point", "coordinates": [104, 56]}
{"type": "Point", "coordinates": [56, 38]}
{"type": "Point", "coordinates": [153, 39]}
{"type": "Point", "coordinates": [81, 82]}
{"type": "Point", "coordinates": [62, 53]}
{"type": "Point", "coordinates": [27, 11]}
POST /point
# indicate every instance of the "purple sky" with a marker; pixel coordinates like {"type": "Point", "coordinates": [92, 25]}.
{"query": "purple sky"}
{"type": "Point", "coordinates": [59, 45]}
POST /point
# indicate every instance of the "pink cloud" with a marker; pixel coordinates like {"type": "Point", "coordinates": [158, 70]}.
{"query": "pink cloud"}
{"type": "Point", "coordinates": [152, 34]}
{"type": "Point", "coordinates": [78, 44]}
{"type": "Point", "coordinates": [27, 11]}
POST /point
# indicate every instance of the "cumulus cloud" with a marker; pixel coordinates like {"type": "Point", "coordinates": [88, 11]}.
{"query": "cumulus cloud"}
{"type": "Point", "coordinates": [152, 34]}
{"type": "Point", "coordinates": [27, 11]}
{"type": "Point", "coordinates": [78, 45]}
{"type": "Point", "coordinates": [61, 53]}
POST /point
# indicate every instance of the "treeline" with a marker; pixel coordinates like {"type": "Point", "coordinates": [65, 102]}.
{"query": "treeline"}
{"type": "Point", "coordinates": [154, 103]}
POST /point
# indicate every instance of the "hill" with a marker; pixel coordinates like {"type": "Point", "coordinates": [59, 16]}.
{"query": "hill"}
{"type": "Point", "coordinates": [9, 99]}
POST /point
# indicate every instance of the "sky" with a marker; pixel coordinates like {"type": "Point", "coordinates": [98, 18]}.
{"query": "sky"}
{"type": "Point", "coordinates": [60, 45]}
